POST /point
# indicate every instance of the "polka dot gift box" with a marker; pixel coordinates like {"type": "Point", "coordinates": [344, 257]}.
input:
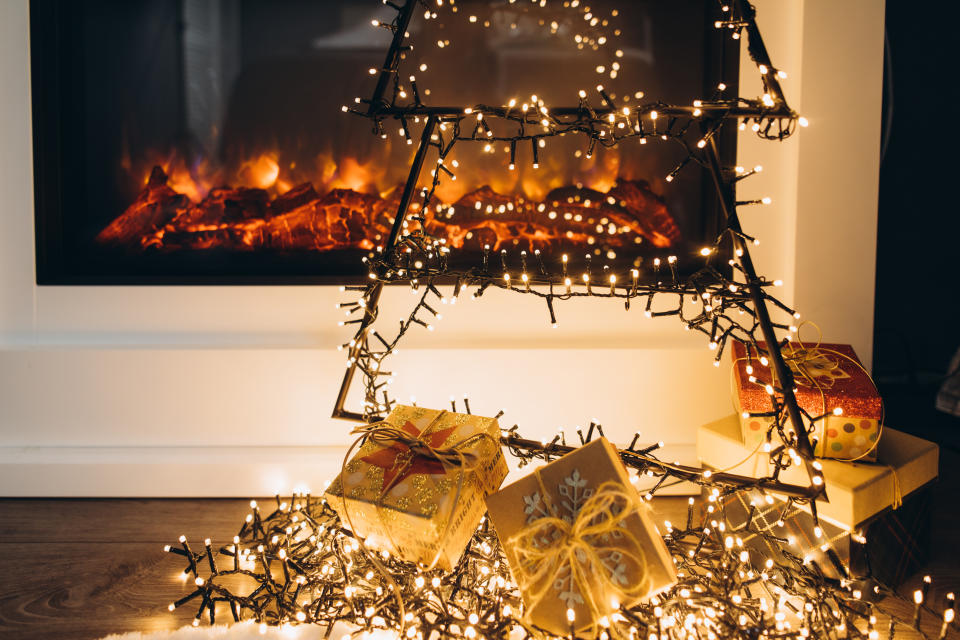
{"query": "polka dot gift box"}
{"type": "Point", "coordinates": [828, 377]}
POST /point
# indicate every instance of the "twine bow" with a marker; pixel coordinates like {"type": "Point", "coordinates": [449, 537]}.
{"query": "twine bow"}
{"type": "Point", "coordinates": [551, 547]}
{"type": "Point", "coordinates": [812, 366]}
{"type": "Point", "coordinates": [405, 450]}
{"type": "Point", "coordinates": [410, 446]}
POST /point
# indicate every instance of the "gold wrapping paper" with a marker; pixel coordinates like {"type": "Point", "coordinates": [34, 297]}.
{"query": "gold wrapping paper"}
{"type": "Point", "coordinates": [570, 482]}
{"type": "Point", "coordinates": [421, 517]}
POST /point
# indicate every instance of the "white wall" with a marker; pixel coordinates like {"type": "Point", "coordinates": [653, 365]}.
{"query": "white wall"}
{"type": "Point", "coordinates": [211, 390]}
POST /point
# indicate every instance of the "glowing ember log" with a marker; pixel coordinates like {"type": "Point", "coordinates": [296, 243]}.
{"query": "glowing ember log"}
{"type": "Point", "coordinates": [626, 215]}
{"type": "Point", "coordinates": [157, 205]}
{"type": "Point", "coordinates": [245, 219]}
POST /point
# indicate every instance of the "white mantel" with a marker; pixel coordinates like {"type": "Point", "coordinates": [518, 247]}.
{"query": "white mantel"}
{"type": "Point", "coordinates": [164, 391]}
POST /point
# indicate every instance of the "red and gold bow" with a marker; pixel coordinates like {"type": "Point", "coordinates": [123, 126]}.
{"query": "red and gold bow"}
{"type": "Point", "coordinates": [406, 451]}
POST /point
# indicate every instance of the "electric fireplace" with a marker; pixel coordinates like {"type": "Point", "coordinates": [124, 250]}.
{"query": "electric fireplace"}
{"type": "Point", "coordinates": [204, 141]}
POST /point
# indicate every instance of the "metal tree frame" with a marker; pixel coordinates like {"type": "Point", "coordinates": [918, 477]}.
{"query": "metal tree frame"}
{"type": "Point", "coordinates": [771, 112]}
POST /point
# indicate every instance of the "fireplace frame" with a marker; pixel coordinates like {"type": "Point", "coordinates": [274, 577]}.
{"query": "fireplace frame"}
{"type": "Point", "coordinates": [53, 133]}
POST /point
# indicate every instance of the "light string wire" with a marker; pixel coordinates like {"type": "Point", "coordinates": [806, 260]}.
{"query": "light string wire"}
{"type": "Point", "coordinates": [422, 260]}
{"type": "Point", "coordinates": [307, 567]}
{"type": "Point", "coordinates": [305, 563]}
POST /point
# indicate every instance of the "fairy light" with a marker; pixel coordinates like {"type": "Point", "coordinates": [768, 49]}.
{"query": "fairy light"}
{"type": "Point", "coordinates": [724, 300]}
{"type": "Point", "coordinates": [711, 578]}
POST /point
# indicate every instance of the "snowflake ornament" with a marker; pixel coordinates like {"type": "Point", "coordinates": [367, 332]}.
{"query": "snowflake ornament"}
{"type": "Point", "coordinates": [574, 493]}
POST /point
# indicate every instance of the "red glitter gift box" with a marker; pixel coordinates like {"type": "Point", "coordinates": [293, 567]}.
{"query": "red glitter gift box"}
{"type": "Point", "coordinates": [827, 376]}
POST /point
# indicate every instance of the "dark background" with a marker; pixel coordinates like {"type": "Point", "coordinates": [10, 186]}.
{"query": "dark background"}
{"type": "Point", "coordinates": [916, 329]}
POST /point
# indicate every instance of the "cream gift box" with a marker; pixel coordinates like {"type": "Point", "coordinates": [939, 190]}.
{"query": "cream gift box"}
{"type": "Point", "coordinates": [856, 490]}
{"type": "Point", "coordinates": [862, 533]}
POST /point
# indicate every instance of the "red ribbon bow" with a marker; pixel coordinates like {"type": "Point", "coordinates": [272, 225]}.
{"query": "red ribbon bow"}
{"type": "Point", "coordinates": [399, 461]}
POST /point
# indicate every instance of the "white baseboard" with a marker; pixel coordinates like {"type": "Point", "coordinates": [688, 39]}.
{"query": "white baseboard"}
{"type": "Point", "coordinates": [191, 472]}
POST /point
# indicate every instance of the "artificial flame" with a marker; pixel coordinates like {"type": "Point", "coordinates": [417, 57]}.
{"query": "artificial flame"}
{"type": "Point", "coordinates": [301, 219]}
{"type": "Point", "coordinates": [268, 170]}
{"type": "Point", "coordinates": [351, 174]}
{"type": "Point", "coordinates": [260, 172]}
{"type": "Point", "coordinates": [341, 203]}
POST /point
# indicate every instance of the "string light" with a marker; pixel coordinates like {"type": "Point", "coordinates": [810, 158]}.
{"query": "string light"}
{"type": "Point", "coordinates": [307, 568]}
{"type": "Point", "coordinates": [307, 563]}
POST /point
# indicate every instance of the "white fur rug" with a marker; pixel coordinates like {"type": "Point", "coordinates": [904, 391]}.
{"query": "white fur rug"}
{"type": "Point", "coordinates": [240, 631]}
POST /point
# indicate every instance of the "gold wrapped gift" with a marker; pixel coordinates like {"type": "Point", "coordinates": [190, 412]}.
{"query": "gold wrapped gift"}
{"type": "Point", "coordinates": [580, 541]}
{"type": "Point", "coordinates": [416, 484]}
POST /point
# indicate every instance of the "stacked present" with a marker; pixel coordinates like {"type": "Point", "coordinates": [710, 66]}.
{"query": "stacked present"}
{"type": "Point", "coordinates": [875, 522]}
{"type": "Point", "coordinates": [827, 377]}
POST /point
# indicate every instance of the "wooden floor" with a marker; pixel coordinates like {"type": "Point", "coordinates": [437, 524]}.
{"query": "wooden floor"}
{"type": "Point", "coordinates": [79, 569]}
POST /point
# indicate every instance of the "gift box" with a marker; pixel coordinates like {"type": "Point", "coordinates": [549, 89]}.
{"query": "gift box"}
{"type": "Point", "coordinates": [888, 547]}
{"type": "Point", "coordinates": [415, 487]}
{"type": "Point", "coordinates": [827, 377]}
{"type": "Point", "coordinates": [856, 490]}
{"type": "Point", "coordinates": [873, 522]}
{"type": "Point", "coordinates": [579, 539]}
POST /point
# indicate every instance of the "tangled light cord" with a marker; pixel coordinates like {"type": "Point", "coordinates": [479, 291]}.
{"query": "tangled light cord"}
{"type": "Point", "coordinates": [308, 568]}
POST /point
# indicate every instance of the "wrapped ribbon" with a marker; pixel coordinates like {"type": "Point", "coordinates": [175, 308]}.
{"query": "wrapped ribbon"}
{"type": "Point", "coordinates": [813, 366]}
{"type": "Point", "coordinates": [550, 548]}
{"type": "Point", "coordinates": [406, 450]}
{"type": "Point", "coordinates": [819, 368]}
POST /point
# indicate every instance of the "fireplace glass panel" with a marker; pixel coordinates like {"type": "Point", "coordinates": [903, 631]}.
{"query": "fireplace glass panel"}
{"type": "Point", "coordinates": [203, 141]}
